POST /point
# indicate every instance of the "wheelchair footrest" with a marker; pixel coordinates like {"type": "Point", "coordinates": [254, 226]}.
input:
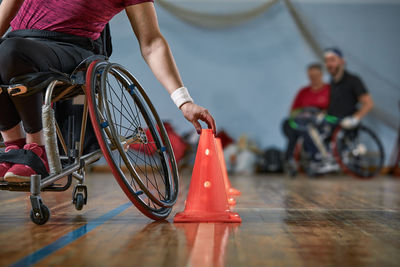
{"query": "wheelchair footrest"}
{"type": "Point", "coordinates": [26, 157]}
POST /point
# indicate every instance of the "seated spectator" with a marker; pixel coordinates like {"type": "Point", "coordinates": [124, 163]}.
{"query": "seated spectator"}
{"type": "Point", "coordinates": [349, 98]}
{"type": "Point", "coordinates": [349, 102]}
{"type": "Point", "coordinates": [316, 94]}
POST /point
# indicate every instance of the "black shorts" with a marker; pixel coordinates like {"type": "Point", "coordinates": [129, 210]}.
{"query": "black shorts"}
{"type": "Point", "coordinates": [30, 51]}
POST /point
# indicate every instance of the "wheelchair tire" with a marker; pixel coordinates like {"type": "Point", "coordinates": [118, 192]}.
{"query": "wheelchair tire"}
{"type": "Point", "coordinates": [152, 188]}
{"type": "Point", "coordinates": [45, 215]}
{"type": "Point", "coordinates": [79, 201]}
{"type": "Point", "coordinates": [353, 155]}
{"type": "Point", "coordinates": [301, 158]}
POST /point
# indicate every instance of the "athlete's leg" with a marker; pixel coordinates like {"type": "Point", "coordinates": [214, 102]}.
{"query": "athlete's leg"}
{"type": "Point", "coordinates": [19, 56]}
{"type": "Point", "coordinates": [12, 134]}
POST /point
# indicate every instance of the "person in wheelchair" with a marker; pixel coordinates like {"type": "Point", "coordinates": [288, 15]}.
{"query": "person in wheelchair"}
{"type": "Point", "coordinates": [57, 35]}
{"type": "Point", "coordinates": [315, 95]}
{"type": "Point", "coordinates": [349, 102]}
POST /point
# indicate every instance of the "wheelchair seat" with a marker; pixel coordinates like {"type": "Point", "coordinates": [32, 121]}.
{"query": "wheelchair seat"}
{"type": "Point", "coordinates": [32, 83]}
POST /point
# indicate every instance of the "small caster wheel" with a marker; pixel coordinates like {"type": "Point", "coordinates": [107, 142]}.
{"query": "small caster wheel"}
{"type": "Point", "coordinates": [40, 220]}
{"type": "Point", "coordinates": [292, 173]}
{"type": "Point", "coordinates": [291, 168]}
{"type": "Point", "coordinates": [79, 201]}
{"type": "Point", "coordinates": [312, 173]}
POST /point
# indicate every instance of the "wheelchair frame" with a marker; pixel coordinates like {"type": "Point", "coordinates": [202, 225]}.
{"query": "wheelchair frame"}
{"type": "Point", "coordinates": [76, 161]}
{"type": "Point", "coordinates": [73, 163]}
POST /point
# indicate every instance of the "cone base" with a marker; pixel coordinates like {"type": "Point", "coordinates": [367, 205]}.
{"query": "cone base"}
{"type": "Point", "coordinates": [234, 192]}
{"type": "Point", "coordinates": [226, 217]}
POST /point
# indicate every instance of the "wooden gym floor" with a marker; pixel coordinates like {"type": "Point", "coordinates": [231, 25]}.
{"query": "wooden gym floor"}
{"type": "Point", "coordinates": [331, 221]}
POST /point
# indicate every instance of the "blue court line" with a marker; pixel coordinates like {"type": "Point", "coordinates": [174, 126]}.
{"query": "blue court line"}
{"type": "Point", "coordinates": [69, 238]}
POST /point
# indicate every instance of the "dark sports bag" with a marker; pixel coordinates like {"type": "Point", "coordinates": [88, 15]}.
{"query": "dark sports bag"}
{"type": "Point", "coordinates": [271, 161]}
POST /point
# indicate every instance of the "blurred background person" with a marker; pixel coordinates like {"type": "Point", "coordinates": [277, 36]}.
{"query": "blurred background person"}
{"type": "Point", "coordinates": [349, 102]}
{"type": "Point", "coordinates": [315, 95]}
{"type": "Point", "coordinates": [349, 98]}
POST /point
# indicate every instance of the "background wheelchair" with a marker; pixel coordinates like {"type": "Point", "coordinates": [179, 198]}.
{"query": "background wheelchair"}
{"type": "Point", "coordinates": [358, 151]}
{"type": "Point", "coordinates": [122, 116]}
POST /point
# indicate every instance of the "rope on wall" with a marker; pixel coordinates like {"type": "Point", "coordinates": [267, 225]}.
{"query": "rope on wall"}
{"type": "Point", "coordinates": [304, 31]}
{"type": "Point", "coordinates": [215, 21]}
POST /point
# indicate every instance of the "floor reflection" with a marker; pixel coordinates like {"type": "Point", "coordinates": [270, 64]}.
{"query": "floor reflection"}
{"type": "Point", "coordinates": [179, 244]}
{"type": "Point", "coordinates": [332, 223]}
{"type": "Point", "coordinates": [317, 238]}
{"type": "Point", "coordinates": [206, 242]}
{"type": "Point", "coordinates": [302, 222]}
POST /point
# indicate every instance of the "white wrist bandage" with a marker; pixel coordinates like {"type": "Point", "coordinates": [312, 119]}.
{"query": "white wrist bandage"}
{"type": "Point", "coordinates": [181, 96]}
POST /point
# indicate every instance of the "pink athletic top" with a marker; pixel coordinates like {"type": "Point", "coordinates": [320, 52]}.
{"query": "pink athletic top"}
{"type": "Point", "coordinates": [79, 17]}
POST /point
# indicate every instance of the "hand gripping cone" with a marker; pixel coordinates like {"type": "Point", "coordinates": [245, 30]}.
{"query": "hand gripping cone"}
{"type": "Point", "coordinates": [207, 200]}
{"type": "Point", "coordinates": [230, 191]}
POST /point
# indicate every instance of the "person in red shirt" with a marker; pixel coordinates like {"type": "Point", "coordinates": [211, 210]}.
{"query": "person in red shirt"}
{"type": "Point", "coordinates": [59, 34]}
{"type": "Point", "coordinates": [315, 95]}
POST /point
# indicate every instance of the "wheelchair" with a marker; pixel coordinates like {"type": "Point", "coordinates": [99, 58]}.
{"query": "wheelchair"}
{"type": "Point", "coordinates": [357, 152]}
{"type": "Point", "coordinates": [122, 117]}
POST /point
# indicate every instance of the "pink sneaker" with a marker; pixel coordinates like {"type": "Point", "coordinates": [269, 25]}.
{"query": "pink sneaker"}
{"type": "Point", "coordinates": [19, 173]}
{"type": "Point", "coordinates": [5, 166]}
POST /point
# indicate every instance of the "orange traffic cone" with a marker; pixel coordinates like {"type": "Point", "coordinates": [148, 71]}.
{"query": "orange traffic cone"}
{"type": "Point", "coordinates": [231, 200]}
{"type": "Point", "coordinates": [207, 200]}
{"type": "Point", "coordinates": [230, 191]}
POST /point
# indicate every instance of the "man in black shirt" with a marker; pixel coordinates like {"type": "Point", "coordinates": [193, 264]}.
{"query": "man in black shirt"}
{"type": "Point", "coordinates": [349, 99]}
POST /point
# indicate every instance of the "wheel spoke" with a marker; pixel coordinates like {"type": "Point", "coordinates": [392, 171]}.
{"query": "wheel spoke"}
{"type": "Point", "coordinates": [116, 95]}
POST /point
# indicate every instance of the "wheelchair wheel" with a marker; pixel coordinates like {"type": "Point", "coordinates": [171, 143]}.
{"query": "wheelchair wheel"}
{"type": "Point", "coordinates": [303, 160]}
{"type": "Point", "coordinates": [358, 151]}
{"type": "Point", "coordinates": [124, 118]}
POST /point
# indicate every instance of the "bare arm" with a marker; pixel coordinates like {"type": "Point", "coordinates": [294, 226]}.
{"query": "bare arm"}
{"type": "Point", "coordinates": [157, 54]}
{"type": "Point", "coordinates": [154, 47]}
{"type": "Point", "coordinates": [366, 105]}
{"type": "Point", "coordinates": [8, 10]}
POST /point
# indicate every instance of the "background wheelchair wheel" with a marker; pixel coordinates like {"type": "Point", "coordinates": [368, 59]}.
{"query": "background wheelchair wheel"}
{"type": "Point", "coordinates": [124, 118]}
{"type": "Point", "coordinates": [358, 151]}
{"type": "Point", "coordinates": [301, 158]}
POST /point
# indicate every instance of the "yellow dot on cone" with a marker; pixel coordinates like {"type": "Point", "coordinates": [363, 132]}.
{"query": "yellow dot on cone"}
{"type": "Point", "coordinates": [207, 152]}
{"type": "Point", "coordinates": [207, 184]}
